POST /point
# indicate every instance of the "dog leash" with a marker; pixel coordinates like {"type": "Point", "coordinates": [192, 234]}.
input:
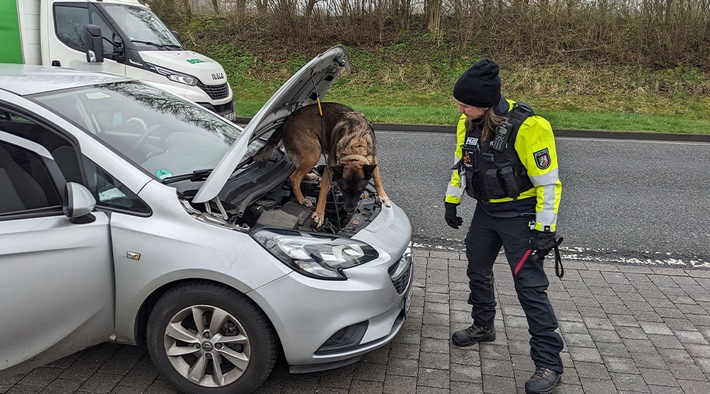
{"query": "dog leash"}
{"type": "Point", "coordinates": [532, 256]}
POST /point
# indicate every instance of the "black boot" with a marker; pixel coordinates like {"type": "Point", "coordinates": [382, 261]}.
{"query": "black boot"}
{"type": "Point", "coordinates": [543, 381]}
{"type": "Point", "coordinates": [473, 334]}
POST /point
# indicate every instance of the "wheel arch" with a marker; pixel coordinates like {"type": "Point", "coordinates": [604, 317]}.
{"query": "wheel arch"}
{"type": "Point", "coordinates": [141, 320]}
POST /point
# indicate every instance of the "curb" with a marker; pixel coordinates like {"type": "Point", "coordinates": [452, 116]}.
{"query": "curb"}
{"type": "Point", "coordinates": [619, 135]}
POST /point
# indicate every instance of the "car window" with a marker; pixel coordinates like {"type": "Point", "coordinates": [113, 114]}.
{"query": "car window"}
{"type": "Point", "coordinates": [25, 183]}
{"type": "Point", "coordinates": [69, 23]}
{"type": "Point", "coordinates": [60, 147]}
{"type": "Point", "coordinates": [161, 133]}
{"type": "Point", "coordinates": [108, 191]}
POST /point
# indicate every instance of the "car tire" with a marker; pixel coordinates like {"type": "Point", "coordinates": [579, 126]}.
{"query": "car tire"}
{"type": "Point", "coordinates": [233, 330]}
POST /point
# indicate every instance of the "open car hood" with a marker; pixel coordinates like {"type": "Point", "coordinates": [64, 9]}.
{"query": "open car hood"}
{"type": "Point", "coordinates": [305, 87]}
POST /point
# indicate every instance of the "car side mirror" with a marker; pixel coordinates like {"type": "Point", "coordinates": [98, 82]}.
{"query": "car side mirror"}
{"type": "Point", "coordinates": [176, 34]}
{"type": "Point", "coordinates": [93, 44]}
{"type": "Point", "coordinates": [78, 203]}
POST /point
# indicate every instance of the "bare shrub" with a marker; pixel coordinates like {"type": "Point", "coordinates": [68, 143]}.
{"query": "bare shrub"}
{"type": "Point", "coordinates": [648, 33]}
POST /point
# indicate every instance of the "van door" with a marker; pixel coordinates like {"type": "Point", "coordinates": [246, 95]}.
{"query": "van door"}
{"type": "Point", "coordinates": [56, 288]}
{"type": "Point", "coordinates": [66, 38]}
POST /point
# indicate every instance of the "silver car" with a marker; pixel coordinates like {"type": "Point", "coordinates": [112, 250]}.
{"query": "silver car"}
{"type": "Point", "coordinates": [128, 214]}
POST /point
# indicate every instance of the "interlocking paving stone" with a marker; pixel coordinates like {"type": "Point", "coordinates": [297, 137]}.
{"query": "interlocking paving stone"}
{"type": "Point", "coordinates": [626, 328]}
{"type": "Point", "coordinates": [620, 364]}
{"type": "Point", "coordinates": [430, 377]}
{"type": "Point", "coordinates": [434, 360]}
{"type": "Point", "coordinates": [400, 384]}
{"type": "Point", "coordinates": [585, 354]}
{"type": "Point", "coordinates": [625, 382]}
{"type": "Point", "coordinates": [498, 384]}
{"type": "Point", "coordinates": [605, 336]}
{"type": "Point", "coordinates": [612, 349]}
{"type": "Point", "coordinates": [658, 377]}
{"type": "Point", "coordinates": [686, 371]}
{"type": "Point", "coordinates": [665, 341]}
{"type": "Point", "coordinates": [591, 370]}
{"type": "Point", "coordinates": [649, 360]}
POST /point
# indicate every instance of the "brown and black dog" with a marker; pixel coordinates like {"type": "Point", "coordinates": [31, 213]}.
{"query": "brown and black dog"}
{"type": "Point", "coordinates": [347, 139]}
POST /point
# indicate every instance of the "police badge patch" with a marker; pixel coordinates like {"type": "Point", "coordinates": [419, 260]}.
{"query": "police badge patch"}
{"type": "Point", "coordinates": [542, 159]}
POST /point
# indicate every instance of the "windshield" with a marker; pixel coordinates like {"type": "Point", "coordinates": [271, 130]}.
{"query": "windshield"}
{"type": "Point", "coordinates": [164, 134]}
{"type": "Point", "coordinates": [141, 26]}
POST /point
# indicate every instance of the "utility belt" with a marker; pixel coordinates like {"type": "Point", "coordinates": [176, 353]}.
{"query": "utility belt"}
{"type": "Point", "coordinates": [524, 207]}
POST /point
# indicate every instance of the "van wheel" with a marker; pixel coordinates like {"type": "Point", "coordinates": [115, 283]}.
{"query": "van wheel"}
{"type": "Point", "coordinates": [207, 338]}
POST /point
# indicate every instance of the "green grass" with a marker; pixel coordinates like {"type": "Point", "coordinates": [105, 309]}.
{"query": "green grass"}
{"type": "Point", "coordinates": [447, 115]}
{"type": "Point", "coordinates": [385, 98]}
{"type": "Point", "coordinates": [410, 81]}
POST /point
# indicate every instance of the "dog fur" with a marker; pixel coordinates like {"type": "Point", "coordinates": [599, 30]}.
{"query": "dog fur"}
{"type": "Point", "coordinates": [347, 139]}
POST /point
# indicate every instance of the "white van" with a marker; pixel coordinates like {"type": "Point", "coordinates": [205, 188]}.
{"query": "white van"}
{"type": "Point", "coordinates": [118, 36]}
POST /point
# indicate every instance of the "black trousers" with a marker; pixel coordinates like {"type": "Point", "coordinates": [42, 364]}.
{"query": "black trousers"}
{"type": "Point", "coordinates": [483, 242]}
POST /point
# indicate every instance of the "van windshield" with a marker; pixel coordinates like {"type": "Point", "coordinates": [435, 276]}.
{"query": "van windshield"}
{"type": "Point", "coordinates": [163, 133]}
{"type": "Point", "coordinates": [142, 26]}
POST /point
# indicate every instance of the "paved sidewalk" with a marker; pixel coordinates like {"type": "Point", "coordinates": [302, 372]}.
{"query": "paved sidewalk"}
{"type": "Point", "coordinates": [626, 328]}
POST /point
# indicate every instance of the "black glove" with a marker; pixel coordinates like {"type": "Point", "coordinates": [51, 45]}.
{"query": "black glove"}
{"type": "Point", "coordinates": [451, 219]}
{"type": "Point", "coordinates": [543, 243]}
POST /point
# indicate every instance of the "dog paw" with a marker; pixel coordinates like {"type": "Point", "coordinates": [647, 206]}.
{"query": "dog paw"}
{"type": "Point", "coordinates": [385, 200]}
{"type": "Point", "coordinates": [318, 220]}
{"type": "Point", "coordinates": [305, 202]}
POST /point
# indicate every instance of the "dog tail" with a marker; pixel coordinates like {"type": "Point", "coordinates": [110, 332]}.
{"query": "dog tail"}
{"type": "Point", "coordinates": [265, 152]}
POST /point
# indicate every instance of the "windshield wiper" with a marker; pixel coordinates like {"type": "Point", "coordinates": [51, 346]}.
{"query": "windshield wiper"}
{"type": "Point", "coordinates": [196, 175]}
{"type": "Point", "coordinates": [155, 44]}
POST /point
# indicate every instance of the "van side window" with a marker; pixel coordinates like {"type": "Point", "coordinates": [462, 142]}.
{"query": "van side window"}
{"type": "Point", "coordinates": [69, 24]}
{"type": "Point", "coordinates": [106, 32]}
{"type": "Point", "coordinates": [25, 183]}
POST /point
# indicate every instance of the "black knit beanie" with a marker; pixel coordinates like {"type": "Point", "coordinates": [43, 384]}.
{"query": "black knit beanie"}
{"type": "Point", "coordinates": [479, 86]}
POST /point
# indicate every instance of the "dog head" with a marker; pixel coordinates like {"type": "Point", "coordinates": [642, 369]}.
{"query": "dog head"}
{"type": "Point", "coordinates": [352, 177]}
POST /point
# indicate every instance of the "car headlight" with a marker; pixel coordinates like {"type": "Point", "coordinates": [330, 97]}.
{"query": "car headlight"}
{"type": "Point", "coordinates": [173, 75]}
{"type": "Point", "coordinates": [315, 255]}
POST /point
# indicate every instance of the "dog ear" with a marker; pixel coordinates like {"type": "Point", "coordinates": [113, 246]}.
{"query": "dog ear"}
{"type": "Point", "coordinates": [368, 169]}
{"type": "Point", "coordinates": [338, 170]}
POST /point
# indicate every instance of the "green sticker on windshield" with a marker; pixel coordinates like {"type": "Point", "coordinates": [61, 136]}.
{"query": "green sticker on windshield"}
{"type": "Point", "coordinates": [163, 173]}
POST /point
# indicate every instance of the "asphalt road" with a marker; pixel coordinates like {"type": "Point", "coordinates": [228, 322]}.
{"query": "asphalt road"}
{"type": "Point", "coordinates": [629, 201]}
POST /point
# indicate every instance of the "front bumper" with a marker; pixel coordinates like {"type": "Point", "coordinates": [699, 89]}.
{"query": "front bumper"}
{"type": "Point", "coordinates": [225, 110]}
{"type": "Point", "coordinates": [326, 324]}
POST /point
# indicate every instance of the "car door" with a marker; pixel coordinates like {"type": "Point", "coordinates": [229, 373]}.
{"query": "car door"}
{"type": "Point", "coordinates": [56, 281]}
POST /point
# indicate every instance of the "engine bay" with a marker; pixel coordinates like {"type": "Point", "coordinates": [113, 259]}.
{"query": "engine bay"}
{"type": "Point", "coordinates": [280, 209]}
{"type": "Point", "coordinates": [262, 197]}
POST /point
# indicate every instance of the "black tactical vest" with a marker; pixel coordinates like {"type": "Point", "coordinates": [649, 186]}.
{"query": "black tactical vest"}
{"type": "Point", "coordinates": [495, 173]}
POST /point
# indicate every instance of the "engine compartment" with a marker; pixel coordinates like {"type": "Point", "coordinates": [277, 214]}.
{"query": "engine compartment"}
{"type": "Point", "coordinates": [262, 197]}
{"type": "Point", "coordinates": [280, 209]}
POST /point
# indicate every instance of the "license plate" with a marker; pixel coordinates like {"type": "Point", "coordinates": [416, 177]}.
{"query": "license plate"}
{"type": "Point", "coordinates": [230, 116]}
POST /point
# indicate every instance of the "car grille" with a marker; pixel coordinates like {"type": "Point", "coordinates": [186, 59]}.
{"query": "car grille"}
{"type": "Point", "coordinates": [215, 92]}
{"type": "Point", "coordinates": [400, 272]}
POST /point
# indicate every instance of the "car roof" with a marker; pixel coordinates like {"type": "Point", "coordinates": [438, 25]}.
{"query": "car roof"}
{"type": "Point", "coordinates": [23, 79]}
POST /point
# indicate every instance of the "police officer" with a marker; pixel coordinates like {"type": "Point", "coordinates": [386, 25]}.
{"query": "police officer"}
{"type": "Point", "coordinates": [506, 159]}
